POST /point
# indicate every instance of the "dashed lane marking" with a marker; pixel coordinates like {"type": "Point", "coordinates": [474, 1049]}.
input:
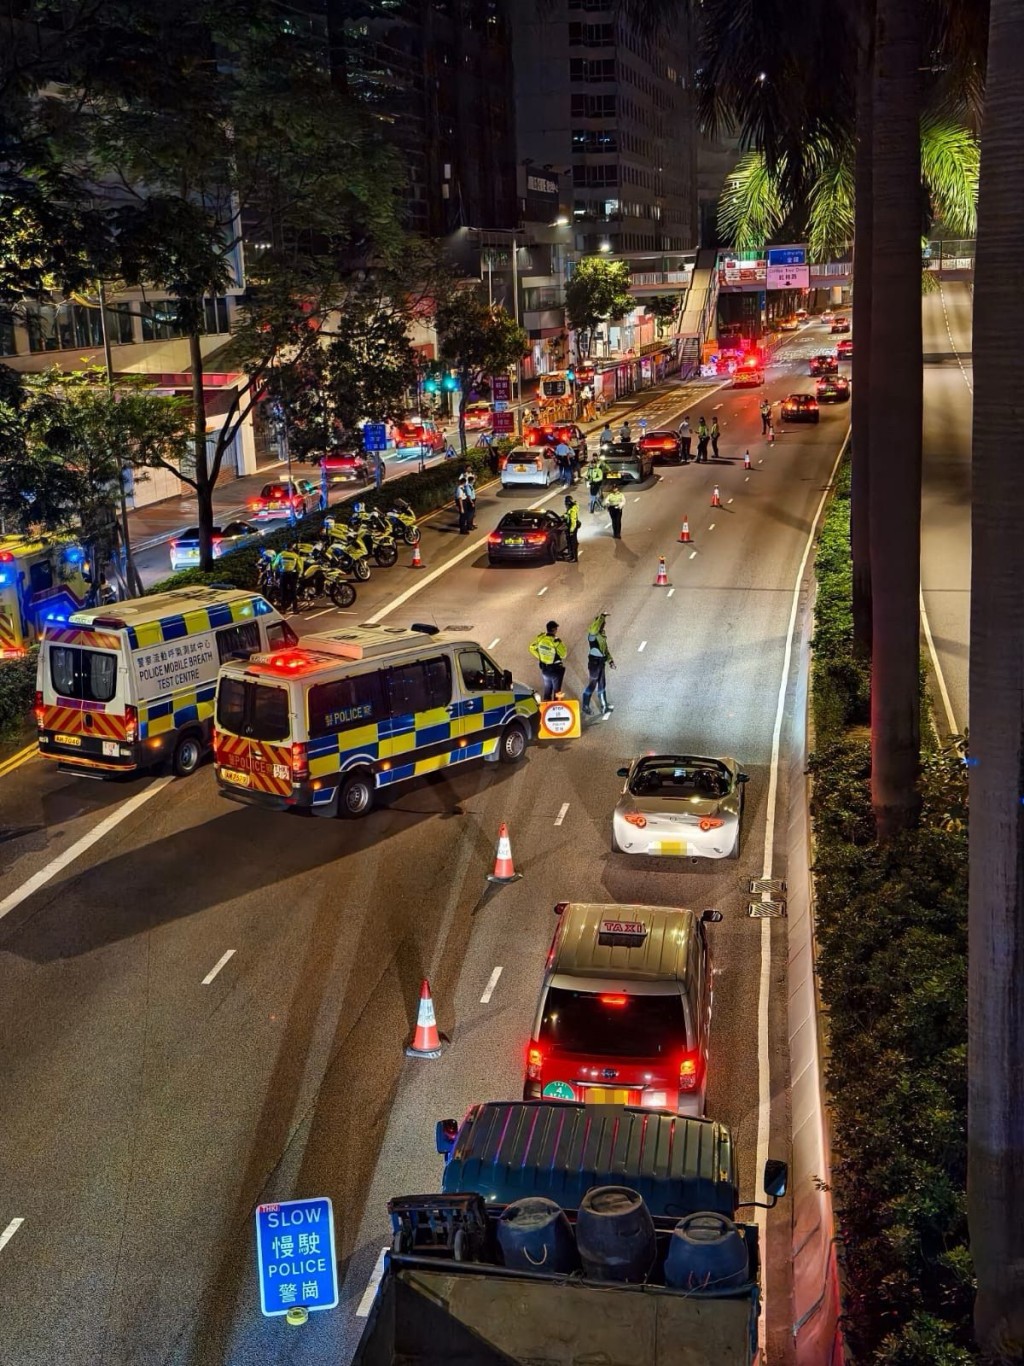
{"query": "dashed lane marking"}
{"type": "Point", "coordinates": [561, 813]}
{"type": "Point", "coordinates": [711, 527]}
{"type": "Point", "coordinates": [641, 647]}
{"type": "Point", "coordinates": [370, 1293]}
{"type": "Point", "coordinates": [9, 1232]}
{"type": "Point", "coordinates": [693, 554]}
{"type": "Point", "coordinates": [492, 982]}
{"type": "Point", "coordinates": [543, 590]}
{"type": "Point", "coordinates": [494, 642]}
{"type": "Point", "coordinates": [224, 958]}
{"type": "Point", "coordinates": [322, 613]}
{"type": "Point", "coordinates": [672, 590]}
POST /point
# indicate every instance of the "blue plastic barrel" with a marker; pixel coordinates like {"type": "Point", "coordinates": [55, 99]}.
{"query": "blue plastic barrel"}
{"type": "Point", "coordinates": [615, 1235]}
{"type": "Point", "coordinates": [535, 1235]}
{"type": "Point", "coordinates": [707, 1253]}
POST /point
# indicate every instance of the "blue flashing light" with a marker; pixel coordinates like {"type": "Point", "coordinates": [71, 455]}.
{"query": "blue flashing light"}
{"type": "Point", "coordinates": [75, 555]}
{"type": "Point", "coordinates": [5, 578]}
{"type": "Point", "coordinates": [261, 607]}
{"type": "Point", "coordinates": [56, 616]}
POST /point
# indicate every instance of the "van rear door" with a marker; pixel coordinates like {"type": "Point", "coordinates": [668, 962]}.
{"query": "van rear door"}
{"type": "Point", "coordinates": [83, 714]}
{"type": "Point", "coordinates": [253, 738]}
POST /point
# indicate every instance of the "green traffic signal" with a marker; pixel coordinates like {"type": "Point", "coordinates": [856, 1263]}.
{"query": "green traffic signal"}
{"type": "Point", "coordinates": [430, 385]}
{"type": "Point", "coordinates": [450, 382]}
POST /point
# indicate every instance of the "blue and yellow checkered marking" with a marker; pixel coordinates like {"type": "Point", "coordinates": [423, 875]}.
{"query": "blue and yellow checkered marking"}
{"type": "Point", "coordinates": [187, 704]}
{"type": "Point", "coordinates": [182, 624]}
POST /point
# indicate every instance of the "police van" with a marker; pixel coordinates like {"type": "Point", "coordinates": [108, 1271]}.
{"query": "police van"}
{"type": "Point", "coordinates": [127, 687]}
{"type": "Point", "coordinates": [328, 724]}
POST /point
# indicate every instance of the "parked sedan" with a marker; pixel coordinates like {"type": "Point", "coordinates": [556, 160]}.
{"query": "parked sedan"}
{"type": "Point", "coordinates": [825, 363]}
{"type": "Point", "coordinates": [627, 463]}
{"type": "Point", "coordinates": [662, 445]}
{"type": "Point", "coordinates": [679, 805]}
{"type": "Point", "coordinates": [525, 535]}
{"type": "Point", "coordinates": [283, 499]}
{"type": "Point", "coordinates": [185, 546]}
{"type": "Point", "coordinates": [528, 465]}
{"type": "Point", "coordinates": [833, 389]}
{"type": "Point", "coordinates": [349, 467]}
{"type": "Point", "coordinates": [800, 408]}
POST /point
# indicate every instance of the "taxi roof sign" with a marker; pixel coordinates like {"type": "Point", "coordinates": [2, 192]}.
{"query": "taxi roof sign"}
{"type": "Point", "coordinates": [625, 933]}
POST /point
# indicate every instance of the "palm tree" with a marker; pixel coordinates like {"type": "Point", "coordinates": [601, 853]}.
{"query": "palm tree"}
{"type": "Point", "coordinates": [995, 1135]}
{"type": "Point", "coordinates": [860, 402]}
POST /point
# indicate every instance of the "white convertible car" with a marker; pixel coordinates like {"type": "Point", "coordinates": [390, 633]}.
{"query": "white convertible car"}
{"type": "Point", "coordinates": [680, 805]}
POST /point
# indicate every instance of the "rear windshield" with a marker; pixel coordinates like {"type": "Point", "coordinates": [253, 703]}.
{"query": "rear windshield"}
{"type": "Point", "coordinates": [86, 675]}
{"type": "Point", "coordinates": [613, 1027]}
{"type": "Point", "coordinates": [258, 711]}
{"type": "Point", "coordinates": [275, 491]}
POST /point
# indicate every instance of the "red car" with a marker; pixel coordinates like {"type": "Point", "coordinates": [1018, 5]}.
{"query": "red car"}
{"type": "Point", "coordinates": [348, 467]}
{"type": "Point", "coordinates": [412, 436]}
{"type": "Point", "coordinates": [824, 364]}
{"type": "Point", "coordinates": [662, 445]}
{"type": "Point", "coordinates": [278, 500]}
{"type": "Point", "coordinates": [478, 417]}
{"type": "Point", "coordinates": [551, 433]}
{"type": "Point", "coordinates": [844, 349]}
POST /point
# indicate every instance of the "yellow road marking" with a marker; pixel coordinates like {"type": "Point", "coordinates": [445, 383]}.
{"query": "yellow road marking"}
{"type": "Point", "coordinates": [16, 760]}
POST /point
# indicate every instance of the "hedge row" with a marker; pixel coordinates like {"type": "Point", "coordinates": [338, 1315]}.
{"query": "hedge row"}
{"type": "Point", "coordinates": [424, 491]}
{"type": "Point", "coordinates": [17, 693]}
{"type": "Point", "coordinates": [892, 959]}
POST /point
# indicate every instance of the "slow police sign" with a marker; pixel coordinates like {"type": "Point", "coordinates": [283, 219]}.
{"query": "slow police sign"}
{"type": "Point", "coordinates": [295, 1252]}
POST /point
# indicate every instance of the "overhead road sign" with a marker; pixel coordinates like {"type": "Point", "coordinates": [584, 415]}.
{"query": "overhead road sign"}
{"type": "Point", "coordinates": [787, 256]}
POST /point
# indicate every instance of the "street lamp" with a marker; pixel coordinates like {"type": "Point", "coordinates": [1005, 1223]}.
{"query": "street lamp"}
{"type": "Point", "coordinates": [604, 246]}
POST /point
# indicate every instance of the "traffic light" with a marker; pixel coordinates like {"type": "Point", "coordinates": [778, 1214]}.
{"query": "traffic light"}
{"type": "Point", "coordinates": [450, 383]}
{"type": "Point", "coordinates": [430, 385]}
{"type": "Point", "coordinates": [570, 375]}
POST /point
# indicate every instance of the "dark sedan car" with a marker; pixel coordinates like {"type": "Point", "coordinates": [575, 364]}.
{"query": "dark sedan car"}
{"type": "Point", "coordinates": [662, 445]}
{"type": "Point", "coordinates": [840, 324]}
{"type": "Point", "coordinates": [527, 535]}
{"type": "Point", "coordinates": [833, 389]}
{"type": "Point", "coordinates": [800, 408]}
{"type": "Point", "coordinates": [824, 364]}
{"type": "Point", "coordinates": [626, 462]}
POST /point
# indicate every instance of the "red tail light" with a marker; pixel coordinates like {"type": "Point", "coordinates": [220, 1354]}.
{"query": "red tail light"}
{"type": "Point", "coordinates": [535, 537]}
{"type": "Point", "coordinates": [635, 818]}
{"type": "Point", "coordinates": [711, 822]}
{"type": "Point", "coordinates": [688, 1072]}
{"type": "Point", "coordinates": [300, 762]}
{"type": "Point", "coordinates": [494, 538]}
{"type": "Point", "coordinates": [614, 1000]}
{"type": "Point", "coordinates": [39, 710]}
{"type": "Point", "coordinates": [131, 724]}
{"type": "Point", "coordinates": [534, 1062]}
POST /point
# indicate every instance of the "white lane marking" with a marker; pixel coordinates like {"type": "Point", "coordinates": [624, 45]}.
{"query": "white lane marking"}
{"type": "Point", "coordinates": [746, 479]}
{"type": "Point", "coordinates": [952, 343]}
{"type": "Point", "coordinates": [947, 705]}
{"type": "Point", "coordinates": [636, 500]}
{"type": "Point", "coordinates": [728, 500]}
{"type": "Point", "coordinates": [561, 813]}
{"type": "Point", "coordinates": [492, 982]}
{"type": "Point", "coordinates": [543, 590]}
{"type": "Point", "coordinates": [9, 1232]}
{"type": "Point", "coordinates": [716, 407]}
{"type": "Point", "coordinates": [494, 642]}
{"type": "Point", "coordinates": [670, 592]}
{"type": "Point", "coordinates": [321, 613]}
{"type": "Point", "coordinates": [711, 527]}
{"type": "Point", "coordinates": [693, 554]}
{"type": "Point", "coordinates": [642, 646]}
{"type": "Point", "coordinates": [764, 1089]}
{"type": "Point", "coordinates": [370, 1293]}
{"type": "Point", "coordinates": [58, 864]}
{"type": "Point", "coordinates": [217, 967]}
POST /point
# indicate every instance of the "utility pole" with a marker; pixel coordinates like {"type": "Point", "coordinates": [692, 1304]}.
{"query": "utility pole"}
{"type": "Point", "coordinates": [131, 574]}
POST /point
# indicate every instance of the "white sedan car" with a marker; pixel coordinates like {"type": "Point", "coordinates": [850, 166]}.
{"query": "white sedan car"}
{"type": "Point", "coordinates": [529, 465]}
{"type": "Point", "coordinates": [681, 806]}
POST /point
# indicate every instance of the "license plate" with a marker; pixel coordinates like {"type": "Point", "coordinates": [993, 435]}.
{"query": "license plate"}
{"type": "Point", "coordinates": [519, 469]}
{"type": "Point", "coordinates": [514, 540]}
{"type": "Point", "coordinates": [75, 741]}
{"type": "Point", "coordinates": [614, 474]}
{"type": "Point", "coordinates": [230, 775]}
{"type": "Point", "coordinates": [608, 1095]}
{"type": "Point", "coordinates": [677, 847]}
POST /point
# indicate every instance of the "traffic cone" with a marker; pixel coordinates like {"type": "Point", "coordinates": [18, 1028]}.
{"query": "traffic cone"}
{"type": "Point", "coordinates": [503, 868]}
{"type": "Point", "coordinates": [716, 498]}
{"type": "Point", "coordinates": [684, 535]}
{"type": "Point", "coordinates": [426, 1042]}
{"type": "Point", "coordinates": [417, 560]}
{"type": "Point", "coordinates": [662, 579]}
{"type": "Point", "coordinates": [746, 460]}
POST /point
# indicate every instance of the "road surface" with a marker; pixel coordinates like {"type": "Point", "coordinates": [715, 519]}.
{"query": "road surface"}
{"type": "Point", "coordinates": [150, 1104]}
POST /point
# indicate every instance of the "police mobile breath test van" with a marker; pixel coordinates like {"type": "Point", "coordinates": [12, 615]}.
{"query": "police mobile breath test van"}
{"type": "Point", "coordinates": [327, 724]}
{"type": "Point", "coordinates": [128, 686]}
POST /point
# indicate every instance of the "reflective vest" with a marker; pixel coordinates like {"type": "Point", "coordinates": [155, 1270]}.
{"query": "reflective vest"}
{"type": "Point", "coordinates": [615, 499]}
{"type": "Point", "coordinates": [594, 473]}
{"type": "Point", "coordinates": [572, 517]}
{"type": "Point", "coordinates": [288, 562]}
{"type": "Point", "coordinates": [547, 650]}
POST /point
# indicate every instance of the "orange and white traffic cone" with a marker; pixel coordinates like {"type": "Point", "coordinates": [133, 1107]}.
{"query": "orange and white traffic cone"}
{"type": "Point", "coordinates": [504, 871]}
{"type": "Point", "coordinates": [417, 560]}
{"type": "Point", "coordinates": [746, 460]}
{"type": "Point", "coordinates": [716, 498]}
{"type": "Point", "coordinates": [662, 579]}
{"type": "Point", "coordinates": [684, 535]}
{"type": "Point", "coordinates": [426, 1042]}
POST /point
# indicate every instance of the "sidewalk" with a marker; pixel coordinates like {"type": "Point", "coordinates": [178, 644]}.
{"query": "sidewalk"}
{"type": "Point", "coordinates": [159, 522]}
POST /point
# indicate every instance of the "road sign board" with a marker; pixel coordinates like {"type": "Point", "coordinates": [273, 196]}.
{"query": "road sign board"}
{"type": "Point", "coordinates": [375, 436]}
{"type": "Point", "coordinates": [502, 423]}
{"type": "Point", "coordinates": [788, 277]}
{"type": "Point", "coordinates": [501, 388]}
{"type": "Point", "coordinates": [559, 720]}
{"type": "Point", "coordinates": [295, 1253]}
{"type": "Point", "coordinates": [787, 256]}
{"type": "Point", "coordinates": [500, 405]}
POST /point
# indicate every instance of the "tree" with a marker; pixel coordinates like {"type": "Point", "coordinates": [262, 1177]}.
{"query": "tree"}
{"type": "Point", "coordinates": [65, 438]}
{"type": "Point", "coordinates": [598, 289]}
{"type": "Point", "coordinates": [995, 1180]}
{"type": "Point", "coordinates": [663, 307]}
{"type": "Point", "coordinates": [477, 340]}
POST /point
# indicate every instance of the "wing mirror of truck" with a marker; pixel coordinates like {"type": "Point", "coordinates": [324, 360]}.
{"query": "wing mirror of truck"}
{"type": "Point", "coordinates": [445, 1133]}
{"type": "Point", "coordinates": [506, 678]}
{"type": "Point", "coordinates": [743, 777]}
{"type": "Point", "coordinates": [560, 906]}
{"type": "Point", "coordinates": [711, 916]}
{"type": "Point", "coordinates": [776, 1179]}
{"type": "Point", "coordinates": [622, 772]}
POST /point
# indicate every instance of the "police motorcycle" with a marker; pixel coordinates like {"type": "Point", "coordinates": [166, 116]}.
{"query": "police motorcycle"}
{"type": "Point", "coordinates": [345, 550]}
{"type": "Point", "coordinates": [374, 529]}
{"type": "Point", "coordinates": [266, 574]}
{"type": "Point", "coordinates": [319, 576]}
{"type": "Point", "coordinates": [403, 522]}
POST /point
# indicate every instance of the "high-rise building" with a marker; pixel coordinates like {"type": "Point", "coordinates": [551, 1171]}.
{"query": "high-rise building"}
{"type": "Point", "coordinates": [595, 95]}
{"type": "Point", "coordinates": [438, 73]}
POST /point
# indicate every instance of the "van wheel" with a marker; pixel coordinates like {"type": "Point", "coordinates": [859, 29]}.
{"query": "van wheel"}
{"type": "Point", "coordinates": [512, 745]}
{"type": "Point", "coordinates": [355, 796]}
{"type": "Point", "coordinates": [188, 754]}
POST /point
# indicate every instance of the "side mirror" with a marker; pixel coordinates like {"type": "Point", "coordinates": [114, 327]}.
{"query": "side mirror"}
{"type": "Point", "coordinates": [506, 678]}
{"type": "Point", "coordinates": [711, 916]}
{"type": "Point", "coordinates": [622, 772]}
{"type": "Point", "coordinates": [743, 777]}
{"type": "Point", "coordinates": [776, 1178]}
{"type": "Point", "coordinates": [560, 907]}
{"type": "Point", "coordinates": [445, 1133]}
